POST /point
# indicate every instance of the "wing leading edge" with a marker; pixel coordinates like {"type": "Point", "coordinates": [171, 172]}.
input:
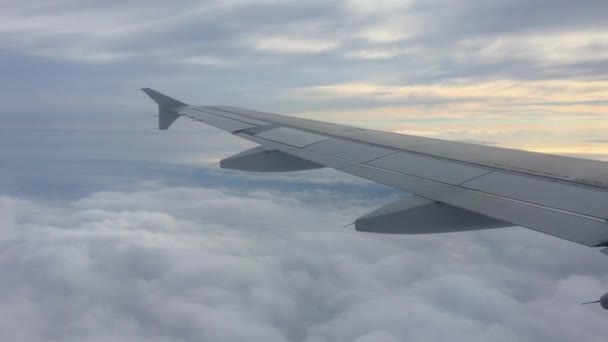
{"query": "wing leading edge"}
{"type": "Point", "coordinates": [457, 186]}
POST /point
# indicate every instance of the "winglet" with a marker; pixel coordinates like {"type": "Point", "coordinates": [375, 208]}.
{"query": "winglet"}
{"type": "Point", "coordinates": [166, 106]}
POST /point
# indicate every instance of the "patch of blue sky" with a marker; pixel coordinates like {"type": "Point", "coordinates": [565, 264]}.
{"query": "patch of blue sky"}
{"type": "Point", "coordinates": [60, 179]}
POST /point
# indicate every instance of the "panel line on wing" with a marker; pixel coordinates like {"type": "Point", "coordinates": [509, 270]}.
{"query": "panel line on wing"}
{"type": "Point", "coordinates": [350, 150]}
{"type": "Point", "coordinates": [220, 122]}
{"type": "Point", "coordinates": [292, 137]}
{"type": "Point", "coordinates": [431, 168]}
{"type": "Point", "coordinates": [235, 118]}
{"type": "Point", "coordinates": [542, 191]}
{"type": "Point", "coordinates": [216, 111]}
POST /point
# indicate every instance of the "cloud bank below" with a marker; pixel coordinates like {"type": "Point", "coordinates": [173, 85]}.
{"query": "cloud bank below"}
{"type": "Point", "coordinates": [162, 263]}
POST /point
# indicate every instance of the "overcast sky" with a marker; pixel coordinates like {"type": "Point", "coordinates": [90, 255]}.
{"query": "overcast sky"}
{"type": "Point", "coordinates": [110, 230]}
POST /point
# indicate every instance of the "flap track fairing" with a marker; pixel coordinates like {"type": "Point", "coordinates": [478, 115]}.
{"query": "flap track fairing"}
{"type": "Point", "coordinates": [417, 215]}
{"type": "Point", "coordinates": [261, 160]}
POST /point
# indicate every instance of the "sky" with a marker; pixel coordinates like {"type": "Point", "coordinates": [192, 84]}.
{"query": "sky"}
{"type": "Point", "coordinates": [112, 230]}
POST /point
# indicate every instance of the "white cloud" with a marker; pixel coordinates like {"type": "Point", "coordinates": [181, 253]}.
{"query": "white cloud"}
{"type": "Point", "coordinates": [396, 25]}
{"type": "Point", "coordinates": [543, 48]}
{"type": "Point", "coordinates": [205, 60]}
{"type": "Point", "coordinates": [373, 54]}
{"type": "Point", "coordinates": [162, 264]}
{"type": "Point", "coordinates": [369, 7]}
{"type": "Point", "coordinates": [292, 45]}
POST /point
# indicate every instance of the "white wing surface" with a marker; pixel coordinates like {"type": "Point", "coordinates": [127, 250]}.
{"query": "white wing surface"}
{"type": "Point", "coordinates": [456, 186]}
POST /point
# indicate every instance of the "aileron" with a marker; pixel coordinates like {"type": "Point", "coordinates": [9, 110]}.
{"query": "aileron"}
{"type": "Point", "coordinates": [570, 197]}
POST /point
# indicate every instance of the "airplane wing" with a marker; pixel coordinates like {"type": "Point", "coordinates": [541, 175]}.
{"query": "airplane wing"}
{"type": "Point", "coordinates": [455, 186]}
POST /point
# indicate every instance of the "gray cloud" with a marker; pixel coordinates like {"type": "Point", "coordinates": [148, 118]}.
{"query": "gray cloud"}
{"type": "Point", "coordinates": [174, 263]}
{"type": "Point", "coordinates": [217, 33]}
{"type": "Point", "coordinates": [251, 53]}
{"type": "Point", "coordinates": [517, 16]}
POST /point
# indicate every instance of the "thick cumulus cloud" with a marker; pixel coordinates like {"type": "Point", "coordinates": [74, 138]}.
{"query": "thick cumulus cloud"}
{"type": "Point", "coordinates": [160, 263]}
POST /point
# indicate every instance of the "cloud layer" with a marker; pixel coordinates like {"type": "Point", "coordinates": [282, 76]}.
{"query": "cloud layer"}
{"type": "Point", "coordinates": [180, 263]}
